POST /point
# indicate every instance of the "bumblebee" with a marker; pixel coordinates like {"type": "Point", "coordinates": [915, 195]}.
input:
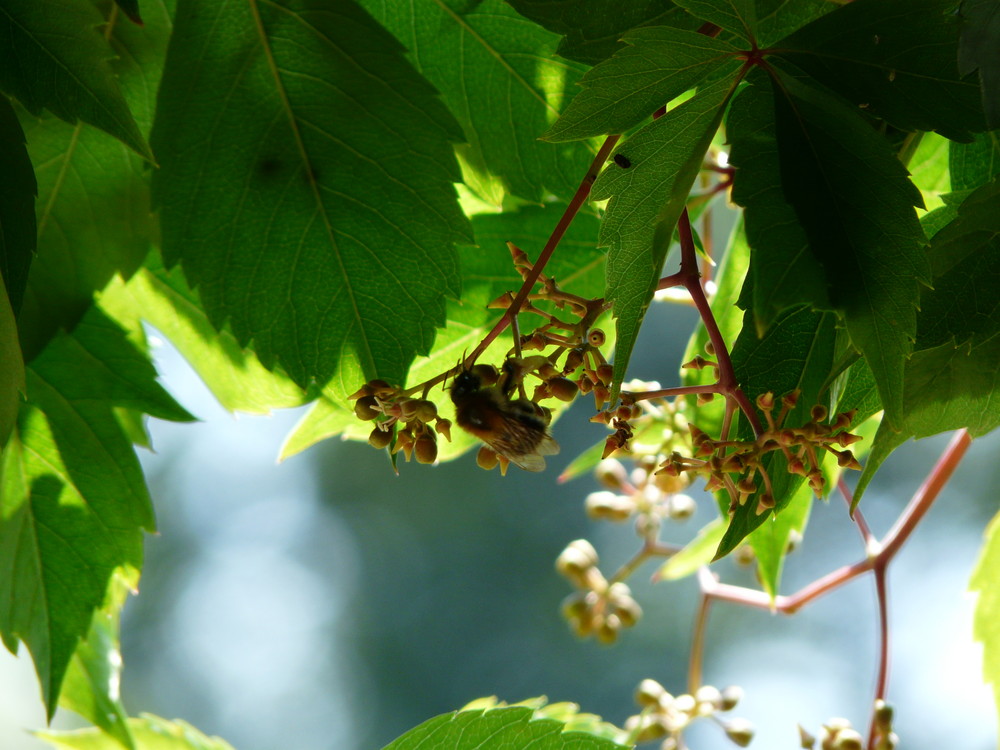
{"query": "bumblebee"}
{"type": "Point", "coordinates": [516, 429]}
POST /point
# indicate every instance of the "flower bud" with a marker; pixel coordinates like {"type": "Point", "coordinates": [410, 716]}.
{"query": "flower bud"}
{"type": "Point", "coordinates": [740, 731]}
{"type": "Point", "coordinates": [608, 506]}
{"type": "Point", "coordinates": [605, 373]}
{"type": "Point", "coordinates": [681, 507]}
{"type": "Point", "coordinates": [596, 338]}
{"type": "Point", "coordinates": [380, 438]}
{"type": "Point", "coordinates": [425, 449]}
{"type": "Point", "coordinates": [563, 389]}
{"type": "Point", "coordinates": [486, 458]}
{"type": "Point", "coordinates": [366, 408]}
{"type": "Point", "coordinates": [648, 693]}
{"type": "Point", "coordinates": [709, 699]}
{"type": "Point", "coordinates": [731, 696]}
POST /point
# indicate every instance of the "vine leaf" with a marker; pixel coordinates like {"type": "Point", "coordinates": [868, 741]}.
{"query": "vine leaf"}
{"type": "Point", "coordinates": [322, 227]}
{"type": "Point", "coordinates": [164, 300]}
{"type": "Point", "coordinates": [895, 58]}
{"type": "Point", "coordinates": [973, 164]}
{"type": "Point", "coordinates": [95, 185]}
{"type": "Point", "coordinates": [852, 197]}
{"type": "Point", "coordinates": [12, 377]}
{"type": "Point", "coordinates": [980, 37]}
{"type": "Point", "coordinates": [131, 9]}
{"type": "Point", "coordinates": [53, 57]}
{"type": "Point", "coordinates": [646, 200]}
{"type": "Point", "coordinates": [796, 353]}
{"type": "Point", "coordinates": [950, 380]}
{"type": "Point", "coordinates": [18, 233]}
{"type": "Point", "coordinates": [697, 553]}
{"type": "Point", "coordinates": [986, 621]}
{"type": "Point", "coordinates": [148, 732]}
{"type": "Point", "coordinates": [498, 75]}
{"type": "Point", "coordinates": [737, 16]}
{"type": "Point", "coordinates": [94, 675]}
{"type": "Point", "coordinates": [73, 502]}
{"type": "Point", "coordinates": [512, 727]}
{"type": "Point", "coordinates": [658, 64]}
{"type": "Point", "coordinates": [776, 19]}
{"type": "Point", "coordinates": [592, 29]}
{"type": "Point", "coordinates": [487, 272]}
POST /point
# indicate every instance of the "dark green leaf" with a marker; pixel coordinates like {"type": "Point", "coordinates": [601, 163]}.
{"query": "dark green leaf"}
{"type": "Point", "coordinates": [786, 271]}
{"type": "Point", "coordinates": [796, 353]}
{"type": "Point", "coordinates": [509, 727]}
{"type": "Point", "coordinates": [977, 50]}
{"type": "Point", "coordinates": [737, 16]}
{"type": "Point", "coordinates": [11, 372]}
{"type": "Point", "coordinates": [646, 201]}
{"type": "Point", "coordinates": [18, 233]}
{"type": "Point", "coordinates": [976, 163]}
{"type": "Point", "coordinates": [592, 29]}
{"type": "Point", "coordinates": [91, 688]}
{"type": "Point", "coordinates": [852, 197]}
{"type": "Point", "coordinates": [73, 502]}
{"type": "Point", "coordinates": [895, 58]}
{"type": "Point", "coordinates": [52, 56]}
{"type": "Point", "coordinates": [776, 19]}
{"type": "Point", "coordinates": [131, 9]}
{"type": "Point", "coordinates": [149, 733]}
{"type": "Point", "coordinates": [858, 391]}
{"type": "Point", "coordinates": [93, 197]}
{"type": "Point", "coordinates": [496, 72]}
{"type": "Point", "coordinates": [986, 621]}
{"type": "Point", "coordinates": [658, 64]}
{"type": "Point", "coordinates": [318, 219]}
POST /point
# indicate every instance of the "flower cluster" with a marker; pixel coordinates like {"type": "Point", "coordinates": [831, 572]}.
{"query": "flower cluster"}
{"type": "Point", "coordinates": [838, 734]}
{"type": "Point", "coordinates": [389, 407]}
{"type": "Point", "coordinates": [643, 493]}
{"type": "Point", "coordinates": [600, 607]}
{"type": "Point", "coordinates": [737, 465]}
{"type": "Point", "coordinates": [665, 716]}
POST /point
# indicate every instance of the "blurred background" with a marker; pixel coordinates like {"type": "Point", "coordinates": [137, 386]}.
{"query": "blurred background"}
{"type": "Point", "coordinates": [324, 603]}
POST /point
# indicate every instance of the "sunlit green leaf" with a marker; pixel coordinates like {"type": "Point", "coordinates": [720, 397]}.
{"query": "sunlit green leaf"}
{"type": "Point", "coordinates": [149, 733]}
{"type": "Point", "coordinates": [658, 64]}
{"type": "Point", "coordinates": [322, 227]}
{"type": "Point", "coordinates": [497, 74]}
{"type": "Point", "coordinates": [986, 623]}
{"type": "Point", "coordinates": [512, 727]}
{"type": "Point", "coordinates": [646, 199]}
{"type": "Point", "coordinates": [93, 197]}
{"type": "Point", "coordinates": [698, 552]}
{"type": "Point", "coordinates": [53, 56]}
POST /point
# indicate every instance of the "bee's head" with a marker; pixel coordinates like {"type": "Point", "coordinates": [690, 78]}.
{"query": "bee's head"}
{"type": "Point", "coordinates": [465, 382]}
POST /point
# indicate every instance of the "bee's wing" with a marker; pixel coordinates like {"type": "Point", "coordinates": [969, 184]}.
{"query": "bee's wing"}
{"type": "Point", "coordinates": [528, 462]}
{"type": "Point", "coordinates": [548, 446]}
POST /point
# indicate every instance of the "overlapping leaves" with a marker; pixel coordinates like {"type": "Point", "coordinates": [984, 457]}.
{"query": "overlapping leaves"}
{"type": "Point", "coordinates": [322, 227]}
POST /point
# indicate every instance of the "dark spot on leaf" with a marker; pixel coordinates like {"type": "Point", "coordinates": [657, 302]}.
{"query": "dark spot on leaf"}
{"type": "Point", "coordinates": [269, 166]}
{"type": "Point", "coordinates": [623, 161]}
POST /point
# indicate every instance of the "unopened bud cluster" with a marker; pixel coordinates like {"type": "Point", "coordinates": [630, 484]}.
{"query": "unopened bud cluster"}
{"type": "Point", "coordinates": [639, 493]}
{"type": "Point", "coordinates": [599, 608]}
{"type": "Point", "coordinates": [665, 717]}
{"type": "Point", "coordinates": [402, 423]}
{"type": "Point", "coordinates": [737, 466]}
{"type": "Point", "coordinates": [838, 734]}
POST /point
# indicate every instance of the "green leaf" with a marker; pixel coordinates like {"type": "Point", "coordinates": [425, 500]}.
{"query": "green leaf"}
{"type": "Point", "coordinates": [770, 540]}
{"type": "Point", "coordinates": [163, 299]}
{"type": "Point", "coordinates": [313, 204]}
{"type": "Point", "coordinates": [737, 16]}
{"type": "Point", "coordinates": [975, 163]}
{"type": "Point", "coordinates": [52, 56]}
{"type": "Point", "coordinates": [853, 199]}
{"type": "Point", "coordinates": [776, 19]}
{"type": "Point", "coordinates": [487, 273]}
{"type": "Point", "coordinates": [645, 202]}
{"type": "Point", "coordinates": [18, 233]}
{"type": "Point", "coordinates": [91, 687]}
{"type": "Point", "coordinates": [986, 621]}
{"type": "Point", "coordinates": [659, 64]}
{"type": "Point", "coordinates": [149, 733]}
{"type": "Point", "coordinates": [796, 353]}
{"type": "Point", "coordinates": [696, 553]}
{"type": "Point", "coordinates": [592, 29]}
{"type": "Point", "coordinates": [511, 728]}
{"type": "Point", "coordinates": [12, 378]}
{"type": "Point", "coordinates": [497, 74]}
{"type": "Point", "coordinates": [896, 59]}
{"type": "Point", "coordinates": [73, 502]}
{"type": "Point", "coordinates": [977, 51]}
{"type": "Point", "coordinates": [786, 272]}
{"type": "Point", "coordinates": [929, 168]}
{"type": "Point", "coordinates": [94, 218]}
